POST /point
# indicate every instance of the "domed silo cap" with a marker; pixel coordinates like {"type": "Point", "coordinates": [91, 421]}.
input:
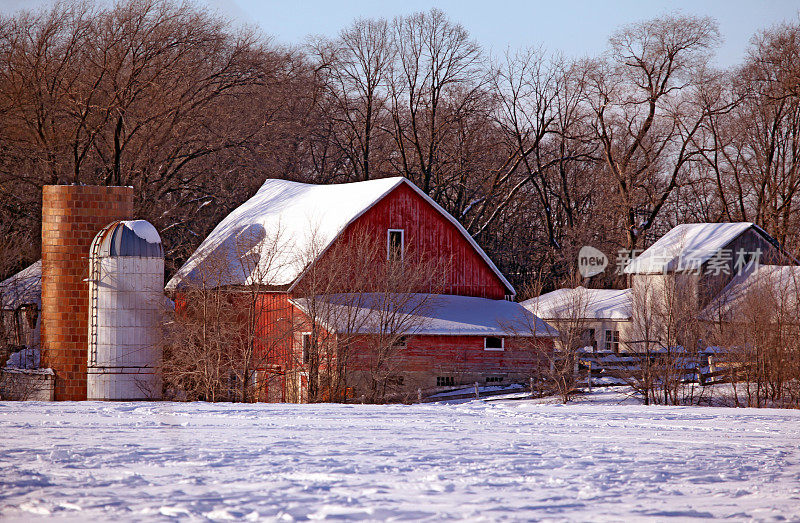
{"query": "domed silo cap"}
{"type": "Point", "coordinates": [130, 238]}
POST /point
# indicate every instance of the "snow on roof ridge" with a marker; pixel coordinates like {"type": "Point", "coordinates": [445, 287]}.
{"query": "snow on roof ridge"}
{"type": "Point", "coordinates": [23, 287]}
{"type": "Point", "coordinates": [292, 208]}
{"type": "Point", "coordinates": [440, 314]}
{"type": "Point", "coordinates": [375, 181]}
{"type": "Point", "coordinates": [688, 242]}
{"type": "Point", "coordinates": [600, 303]}
{"type": "Point", "coordinates": [784, 280]}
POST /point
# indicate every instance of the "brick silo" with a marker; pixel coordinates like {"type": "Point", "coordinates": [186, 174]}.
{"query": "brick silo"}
{"type": "Point", "coordinates": [71, 217]}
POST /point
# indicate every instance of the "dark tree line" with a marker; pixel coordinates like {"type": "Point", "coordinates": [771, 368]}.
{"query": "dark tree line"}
{"type": "Point", "coordinates": [535, 154]}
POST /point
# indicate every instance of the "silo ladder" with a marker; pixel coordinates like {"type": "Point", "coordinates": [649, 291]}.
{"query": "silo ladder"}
{"type": "Point", "coordinates": [94, 281]}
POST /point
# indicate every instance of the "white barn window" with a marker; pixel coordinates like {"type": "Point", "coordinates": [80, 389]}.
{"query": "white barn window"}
{"type": "Point", "coordinates": [306, 346]}
{"type": "Point", "coordinates": [395, 244]}
{"type": "Point", "coordinates": [493, 343]}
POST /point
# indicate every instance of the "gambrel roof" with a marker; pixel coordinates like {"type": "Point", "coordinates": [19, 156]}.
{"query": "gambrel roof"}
{"type": "Point", "coordinates": [689, 244]}
{"type": "Point", "coordinates": [271, 238]}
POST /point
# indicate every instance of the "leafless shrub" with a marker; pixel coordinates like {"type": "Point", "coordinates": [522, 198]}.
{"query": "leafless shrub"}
{"type": "Point", "coordinates": [223, 338]}
{"type": "Point", "coordinates": [365, 300]}
{"type": "Point", "coordinates": [756, 325]}
{"type": "Point", "coordinates": [569, 317]}
{"type": "Point", "coordinates": [666, 338]}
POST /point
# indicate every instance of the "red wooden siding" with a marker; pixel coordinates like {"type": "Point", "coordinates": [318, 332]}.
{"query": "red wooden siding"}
{"type": "Point", "coordinates": [424, 356]}
{"type": "Point", "coordinates": [434, 235]}
{"type": "Point", "coordinates": [460, 354]}
{"type": "Point", "coordinates": [280, 355]}
{"type": "Point", "coordinates": [431, 234]}
{"type": "Point", "coordinates": [276, 324]}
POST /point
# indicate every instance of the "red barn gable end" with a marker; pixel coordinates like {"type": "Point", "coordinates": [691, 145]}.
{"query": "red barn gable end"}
{"type": "Point", "coordinates": [327, 216]}
{"type": "Point", "coordinates": [312, 217]}
{"type": "Point", "coordinates": [431, 230]}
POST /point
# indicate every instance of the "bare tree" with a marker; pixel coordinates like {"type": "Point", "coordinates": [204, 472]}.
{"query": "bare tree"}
{"type": "Point", "coordinates": [223, 339]}
{"type": "Point", "coordinates": [154, 94]}
{"type": "Point", "coordinates": [437, 65]}
{"type": "Point", "coordinates": [354, 69]}
{"type": "Point", "coordinates": [666, 337]}
{"type": "Point", "coordinates": [642, 120]}
{"type": "Point", "coordinates": [527, 86]}
{"type": "Point", "coordinates": [753, 148]}
{"type": "Point", "coordinates": [361, 302]}
{"type": "Point", "coordinates": [570, 317]}
{"type": "Point", "coordinates": [755, 322]}
{"type": "Point", "coordinates": [195, 113]}
{"type": "Point", "coordinates": [547, 170]}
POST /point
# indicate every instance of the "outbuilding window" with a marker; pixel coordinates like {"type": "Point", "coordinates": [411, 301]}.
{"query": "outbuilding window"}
{"type": "Point", "coordinates": [493, 343]}
{"type": "Point", "coordinates": [395, 244]}
{"type": "Point", "coordinates": [445, 381]}
{"type": "Point", "coordinates": [612, 341]}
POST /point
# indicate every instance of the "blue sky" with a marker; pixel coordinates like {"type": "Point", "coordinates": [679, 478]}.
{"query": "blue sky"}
{"type": "Point", "coordinates": [575, 27]}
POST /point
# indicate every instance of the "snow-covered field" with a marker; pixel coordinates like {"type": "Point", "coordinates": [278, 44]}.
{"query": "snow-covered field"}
{"type": "Point", "coordinates": [477, 461]}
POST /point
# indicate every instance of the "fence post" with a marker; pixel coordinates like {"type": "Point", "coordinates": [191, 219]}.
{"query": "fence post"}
{"type": "Point", "coordinates": [477, 394]}
{"type": "Point", "coordinates": [590, 376]}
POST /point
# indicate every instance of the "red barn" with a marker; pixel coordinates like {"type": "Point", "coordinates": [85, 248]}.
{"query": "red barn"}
{"type": "Point", "coordinates": [371, 289]}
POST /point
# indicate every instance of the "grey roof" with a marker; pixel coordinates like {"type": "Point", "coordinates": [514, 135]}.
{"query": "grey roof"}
{"type": "Point", "coordinates": [687, 246]}
{"type": "Point", "coordinates": [771, 288]}
{"type": "Point", "coordinates": [426, 314]}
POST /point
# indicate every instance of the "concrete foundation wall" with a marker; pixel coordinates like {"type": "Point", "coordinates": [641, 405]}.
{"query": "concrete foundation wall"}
{"type": "Point", "coordinates": [26, 385]}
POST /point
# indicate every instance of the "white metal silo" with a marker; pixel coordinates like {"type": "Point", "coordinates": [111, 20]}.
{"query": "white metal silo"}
{"type": "Point", "coordinates": [126, 296]}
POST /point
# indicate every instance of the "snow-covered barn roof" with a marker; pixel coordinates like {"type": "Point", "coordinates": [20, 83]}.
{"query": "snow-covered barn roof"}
{"type": "Point", "coordinates": [782, 283]}
{"type": "Point", "coordinates": [23, 288]}
{"type": "Point", "coordinates": [687, 244]}
{"type": "Point", "coordinates": [425, 314]}
{"type": "Point", "coordinates": [305, 219]}
{"type": "Point", "coordinates": [593, 303]}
